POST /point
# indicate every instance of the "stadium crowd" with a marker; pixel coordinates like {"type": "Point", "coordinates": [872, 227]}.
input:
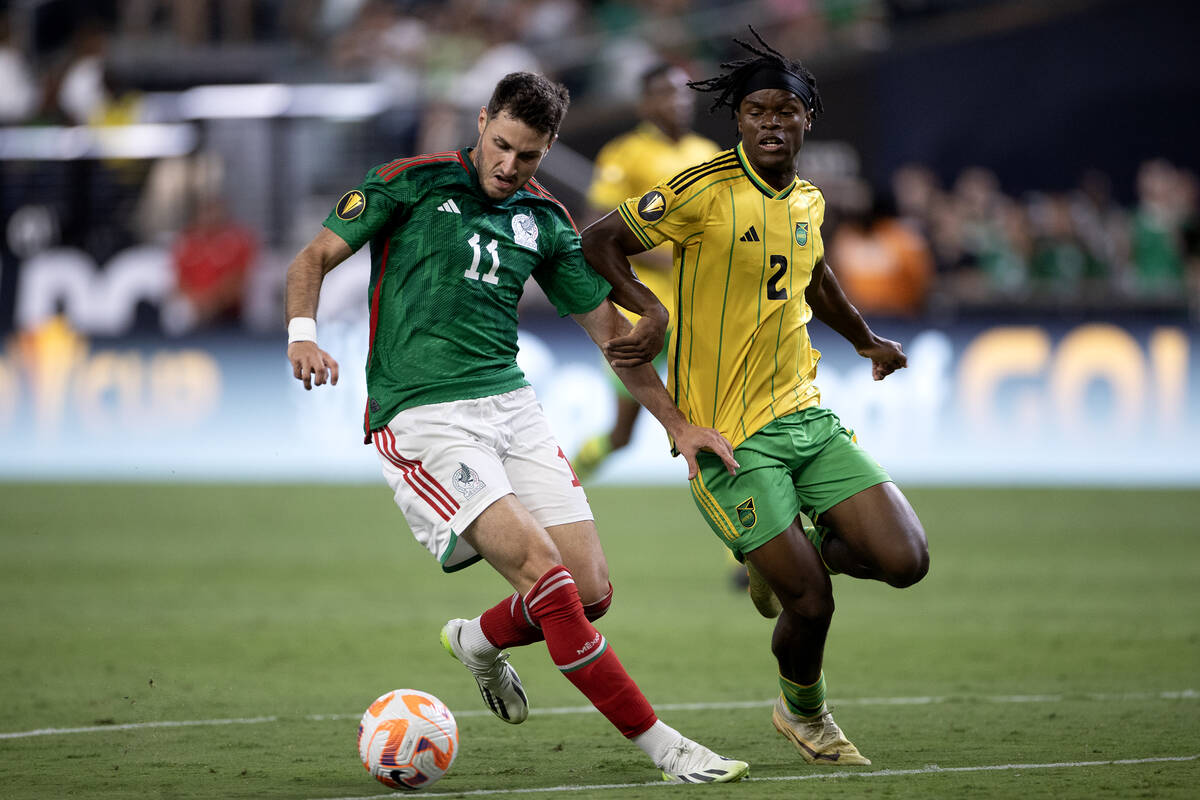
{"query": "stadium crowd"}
{"type": "Point", "coordinates": [928, 244]}
{"type": "Point", "coordinates": [919, 247]}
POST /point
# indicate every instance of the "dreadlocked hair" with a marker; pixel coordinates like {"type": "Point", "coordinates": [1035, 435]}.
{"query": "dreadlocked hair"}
{"type": "Point", "coordinates": [726, 84]}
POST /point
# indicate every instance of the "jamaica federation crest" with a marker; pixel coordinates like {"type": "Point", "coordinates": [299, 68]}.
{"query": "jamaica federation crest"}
{"type": "Point", "coordinates": [802, 233]}
{"type": "Point", "coordinates": [746, 514]}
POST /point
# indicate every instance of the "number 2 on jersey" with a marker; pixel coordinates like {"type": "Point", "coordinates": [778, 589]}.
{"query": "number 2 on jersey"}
{"type": "Point", "coordinates": [492, 249]}
{"type": "Point", "coordinates": [774, 291]}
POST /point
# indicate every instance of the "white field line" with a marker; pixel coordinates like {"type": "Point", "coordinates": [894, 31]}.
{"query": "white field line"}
{"type": "Point", "coordinates": [932, 769]}
{"type": "Point", "coordinates": [1184, 694]}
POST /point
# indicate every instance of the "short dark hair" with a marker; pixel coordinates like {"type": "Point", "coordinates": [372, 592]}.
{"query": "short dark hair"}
{"type": "Point", "coordinates": [531, 98]}
{"type": "Point", "coordinates": [727, 84]}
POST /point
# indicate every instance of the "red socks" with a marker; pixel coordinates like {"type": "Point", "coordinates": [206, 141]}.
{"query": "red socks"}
{"type": "Point", "coordinates": [576, 648]}
{"type": "Point", "coordinates": [507, 624]}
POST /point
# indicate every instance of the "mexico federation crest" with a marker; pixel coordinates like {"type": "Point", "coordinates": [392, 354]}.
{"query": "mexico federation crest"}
{"type": "Point", "coordinates": [746, 514]}
{"type": "Point", "coordinates": [525, 231]}
{"type": "Point", "coordinates": [467, 481]}
{"type": "Point", "coordinates": [651, 206]}
{"type": "Point", "coordinates": [802, 233]}
{"type": "Point", "coordinates": [351, 205]}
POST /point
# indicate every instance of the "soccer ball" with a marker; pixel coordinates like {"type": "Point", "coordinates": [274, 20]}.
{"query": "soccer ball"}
{"type": "Point", "coordinates": [407, 739]}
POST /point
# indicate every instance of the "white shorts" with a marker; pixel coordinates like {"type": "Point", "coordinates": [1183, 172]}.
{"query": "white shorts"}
{"type": "Point", "coordinates": [447, 462]}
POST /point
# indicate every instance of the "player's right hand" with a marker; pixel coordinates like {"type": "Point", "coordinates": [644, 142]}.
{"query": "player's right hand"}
{"type": "Point", "coordinates": [692, 439]}
{"type": "Point", "coordinates": [312, 365]}
{"type": "Point", "coordinates": [640, 346]}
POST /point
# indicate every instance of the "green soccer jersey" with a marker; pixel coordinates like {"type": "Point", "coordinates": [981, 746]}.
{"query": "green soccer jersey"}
{"type": "Point", "coordinates": [448, 265]}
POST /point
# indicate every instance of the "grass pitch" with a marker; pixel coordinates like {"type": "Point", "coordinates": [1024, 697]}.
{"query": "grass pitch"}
{"type": "Point", "coordinates": [1057, 632]}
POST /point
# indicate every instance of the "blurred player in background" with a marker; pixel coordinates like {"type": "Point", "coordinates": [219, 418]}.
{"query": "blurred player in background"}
{"type": "Point", "coordinates": [750, 274]}
{"type": "Point", "coordinates": [661, 145]}
{"type": "Point", "coordinates": [461, 438]}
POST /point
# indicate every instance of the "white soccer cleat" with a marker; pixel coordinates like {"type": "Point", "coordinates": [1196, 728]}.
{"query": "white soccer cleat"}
{"type": "Point", "coordinates": [498, 681]}
{"type": "Point", "coordinates": [820, 741]}
{"type": "Point", "coordinates": [688, 762]}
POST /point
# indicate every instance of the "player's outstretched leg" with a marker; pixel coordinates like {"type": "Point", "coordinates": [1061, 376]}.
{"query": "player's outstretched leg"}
{"type": "Point", "coordinates": [498, 681]}
{"type": "Point", "coordinates": [586, 660]}
{"type": "Point", "coordinates": [818, 738]}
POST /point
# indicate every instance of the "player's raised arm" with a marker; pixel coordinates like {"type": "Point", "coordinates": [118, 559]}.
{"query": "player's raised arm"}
{"type": "Point", "coordinates": [310, 364]}
{"type": "Point", "coordinates": [607, 245]}
{"type": "Point", "coordinates": [829, 304]}
{"type": "Point", "coordinates": [603, 324]}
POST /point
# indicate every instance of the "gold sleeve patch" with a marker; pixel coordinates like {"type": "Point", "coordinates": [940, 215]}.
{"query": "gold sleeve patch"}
{"type": "Point", "coordinates": [652, 206]}
{"type": "Point", "coordinates": [351, 205]}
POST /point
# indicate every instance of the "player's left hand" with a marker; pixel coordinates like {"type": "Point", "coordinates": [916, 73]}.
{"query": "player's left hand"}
{"type": "Point", "coordinates": [640, 345]}
{"type": "Point", "coordinates": [886, 357]}
{"type": "Point", "coordinates": [691, 439]}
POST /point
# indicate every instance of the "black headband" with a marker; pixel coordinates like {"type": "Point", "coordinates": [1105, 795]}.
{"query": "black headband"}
{"type": "Point", "coordinates": [772, 77]}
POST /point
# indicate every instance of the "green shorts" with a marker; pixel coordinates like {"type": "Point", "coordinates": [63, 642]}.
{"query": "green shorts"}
{"type": "Point", "coordinates": [805, 463]}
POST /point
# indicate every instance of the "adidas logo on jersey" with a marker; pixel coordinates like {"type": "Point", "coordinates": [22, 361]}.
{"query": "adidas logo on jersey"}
{"type": "Point", "coordinates": [749, 236]}
{"type": "Point", "coordinates": [450, 206]}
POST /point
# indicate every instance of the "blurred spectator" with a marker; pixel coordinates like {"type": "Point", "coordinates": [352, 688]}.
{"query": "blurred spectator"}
{"type": "Point", "coordinates": [1061, 266]}
{"type": "Point", "coordinates": [18, 91]}
{"type": "Point", "coordinates": [502, 53]}
{"type": "Point", "coordinates": [882, 264]}
{"type": "Point", "coordinates": [548, 22]}
{"type": "Point", "coordinates": [384, 46]}
{"type": "Point", "coordinates": [390, 49]}
{"type": "Point", "coordinates": [986, 234]}
{"type": "Point", "coordinates": [1100, 222]}
{"type": "Point", "coordinates": [213, 257]}
{"type": "Point", "coordinates": [1166, 202]}
{"type": "Point", "coordinates": [76, 90]}
{"type": "Point", "coordinates": [915, 193]}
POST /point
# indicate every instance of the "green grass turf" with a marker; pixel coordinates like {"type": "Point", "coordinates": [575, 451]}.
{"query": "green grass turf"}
{"type": "Point", "coordinates": [127, 604]}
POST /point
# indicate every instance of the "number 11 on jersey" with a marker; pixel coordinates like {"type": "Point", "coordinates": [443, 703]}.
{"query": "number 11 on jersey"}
{"type": "Point", "coordinates": [493, 250]}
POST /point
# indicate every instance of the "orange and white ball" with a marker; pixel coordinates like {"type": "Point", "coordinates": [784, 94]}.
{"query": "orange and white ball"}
{"type": "Point", "coordinates": [407, 739]}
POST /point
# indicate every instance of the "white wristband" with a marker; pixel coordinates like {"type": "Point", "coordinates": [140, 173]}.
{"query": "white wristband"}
{"type": "Point", "coordinates": [302, 329]}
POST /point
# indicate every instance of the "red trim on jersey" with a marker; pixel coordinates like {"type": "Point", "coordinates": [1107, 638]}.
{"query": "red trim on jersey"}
{"type": "Point", "coordinates": [540, 191]}
{"type": "Point", "coordinates": [371, 337]}
{"type": "Point", "coordinates": [399, 162]}
{"type": "Point", "coordinates": [389, 171]}
{"type": "Point", "coordinates": [389, 165]}
{"type": "Point", "coordinates": [462, 162]}
{"type": "Point", "coordinates": [416, 476]}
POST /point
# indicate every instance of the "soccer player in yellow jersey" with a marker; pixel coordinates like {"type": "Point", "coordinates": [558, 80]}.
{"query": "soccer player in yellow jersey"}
{"type": "Point", "coordinates": [661, 145]}
{"type": "Point", "coordinates": [750, 272]}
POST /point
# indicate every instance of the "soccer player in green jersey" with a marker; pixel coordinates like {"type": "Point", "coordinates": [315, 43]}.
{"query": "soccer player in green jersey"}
{"type": "Point", "coordinates": [461, 438]}
{"type": "Point", "coordinates": [750, 272]}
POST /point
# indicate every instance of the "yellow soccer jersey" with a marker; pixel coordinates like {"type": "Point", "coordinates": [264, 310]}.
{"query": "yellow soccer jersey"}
{"type": "Point", "coordinates": [632, 163]}
{"type": "Point", "coordinates": [744, 254]}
